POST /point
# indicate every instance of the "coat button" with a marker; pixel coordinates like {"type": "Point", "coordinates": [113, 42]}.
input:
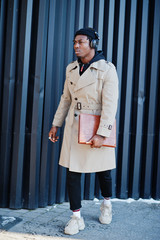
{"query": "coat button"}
{"type": "Point", "coordinates": [110, 127]}
{"type": "Point", "coordinates": [75, 115]}
{"type": "Point", "coordinates": [76, 99]}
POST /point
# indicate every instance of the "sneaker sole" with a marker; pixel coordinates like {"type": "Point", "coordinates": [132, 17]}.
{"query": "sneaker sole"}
{"type": "Point", "coordinates": [103, 222]}
{"type": "Point", "coordinates": [73, 233]}
{"type": "Point", "coordinates": [82, 228]}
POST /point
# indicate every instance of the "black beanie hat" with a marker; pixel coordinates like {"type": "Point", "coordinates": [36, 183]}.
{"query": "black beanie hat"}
{"type": "Point", "coordinates": [90, 32]}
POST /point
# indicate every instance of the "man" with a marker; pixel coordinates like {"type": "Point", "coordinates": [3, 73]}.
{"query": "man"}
{"type": "Point", "coordinates": [91, 87]}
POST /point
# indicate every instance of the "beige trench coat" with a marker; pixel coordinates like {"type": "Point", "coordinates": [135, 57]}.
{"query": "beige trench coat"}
{"type": "Point", "coordinates": [96, 90]}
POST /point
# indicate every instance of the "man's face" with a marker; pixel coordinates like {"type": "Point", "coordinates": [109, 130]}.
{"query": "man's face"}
{"type": "Point", "coordinates": [81, 46]}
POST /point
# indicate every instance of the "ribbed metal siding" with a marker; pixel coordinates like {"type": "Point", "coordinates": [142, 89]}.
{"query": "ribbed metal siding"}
{"type": "Point", "coordinates": [35, 48]}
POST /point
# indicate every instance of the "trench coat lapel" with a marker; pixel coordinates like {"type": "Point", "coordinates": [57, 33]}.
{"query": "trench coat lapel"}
{"type": "Point", "coordinates": [85, 79]}
{"type": "Point", "coordinates": [74, 72]}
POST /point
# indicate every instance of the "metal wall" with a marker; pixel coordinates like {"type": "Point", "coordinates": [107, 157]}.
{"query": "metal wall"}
{"type": "Point", "coordinates": [35, 48]}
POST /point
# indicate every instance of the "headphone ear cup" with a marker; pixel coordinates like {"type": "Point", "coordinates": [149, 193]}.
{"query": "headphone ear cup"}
{"type": "Point", "coordinates": [94, 43]}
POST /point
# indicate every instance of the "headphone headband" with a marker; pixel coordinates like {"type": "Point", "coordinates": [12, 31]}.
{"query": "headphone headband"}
{"type": "Point", "coordinates": [97, 35]}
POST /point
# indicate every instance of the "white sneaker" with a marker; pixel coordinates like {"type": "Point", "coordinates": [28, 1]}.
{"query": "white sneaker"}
{"type": "Point", "coordinates": [74, 225]}
{"type": "Point", "coordinates": [106, 213]}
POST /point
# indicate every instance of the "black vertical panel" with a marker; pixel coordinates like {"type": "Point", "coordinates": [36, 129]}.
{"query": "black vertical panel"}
{"type": "Point", "coordinates": [152, 103]}
{"type": "Point", "coordinates": [157, 181]}
{"type": "Point", "coordinates": [110, 27]}
{"type": "Point", "coordinates": [48, 180]}
{"type": "Point", "coordinates": [156, 157]}
{"type": "Point", "coordinates": [7, 109]}
{"type": "Point", "coordinates": [36, 46]}
{"type": "Point", "coordinates": [36, 97]}
{"type": "Point", "coordinates": [60, 30]}
{"type": "Point", "coordinates": [117, 21]}
{"type": "Point", "coordinates": [105, 27]}
{"type": "Point", "coordinates": [20, 103]}
{"type": "Point", "coordinates": [119, 65]}
{"type": "Point", "coordinates": [79, 14]}
{"type": "Point", "coordinates": [139, 100]}
{"type": "Point", "coordinates": [128, 93]}
{"type": "Point", "coordinates": [2, 41]}
{"type": "Point", "coordinates": [133, 122]}
{"type": "Point", "coordinates": [41, 186]}
{"type": "Point", "coordinates": [28, 194]}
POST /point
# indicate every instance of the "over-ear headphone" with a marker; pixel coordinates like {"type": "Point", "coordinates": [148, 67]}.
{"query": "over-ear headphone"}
{"type": "Point", "coordinates": [94, 42]}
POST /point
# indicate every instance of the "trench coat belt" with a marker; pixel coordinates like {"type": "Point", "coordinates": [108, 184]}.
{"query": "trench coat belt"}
{"type": "Point", "coordinates": [92, 106]}
{"type": "Point", "coordinates": [79, 106]}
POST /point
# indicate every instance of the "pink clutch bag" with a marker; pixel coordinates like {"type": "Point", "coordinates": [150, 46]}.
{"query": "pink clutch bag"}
{"type": "Point", "coordinates": [88, 125]}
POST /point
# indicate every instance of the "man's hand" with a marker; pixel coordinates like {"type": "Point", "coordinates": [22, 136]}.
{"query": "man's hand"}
{"type": "Point", "coordinates": [52, 134]}
{"type": "Point", "coordinates": [97, 141]}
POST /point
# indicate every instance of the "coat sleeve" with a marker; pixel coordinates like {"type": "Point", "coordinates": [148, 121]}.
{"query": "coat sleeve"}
{"type": "Point", "coordinates": [63, 106]}
{"type": "Point", "coordinates": [109, 101]}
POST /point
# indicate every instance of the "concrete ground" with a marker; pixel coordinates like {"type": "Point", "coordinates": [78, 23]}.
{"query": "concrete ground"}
{"type": "Point", "coordinates": [132, 220]}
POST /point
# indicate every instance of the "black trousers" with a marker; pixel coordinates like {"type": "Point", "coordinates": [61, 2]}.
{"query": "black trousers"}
{"type": "Point", "coordinates": [74, 187]}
